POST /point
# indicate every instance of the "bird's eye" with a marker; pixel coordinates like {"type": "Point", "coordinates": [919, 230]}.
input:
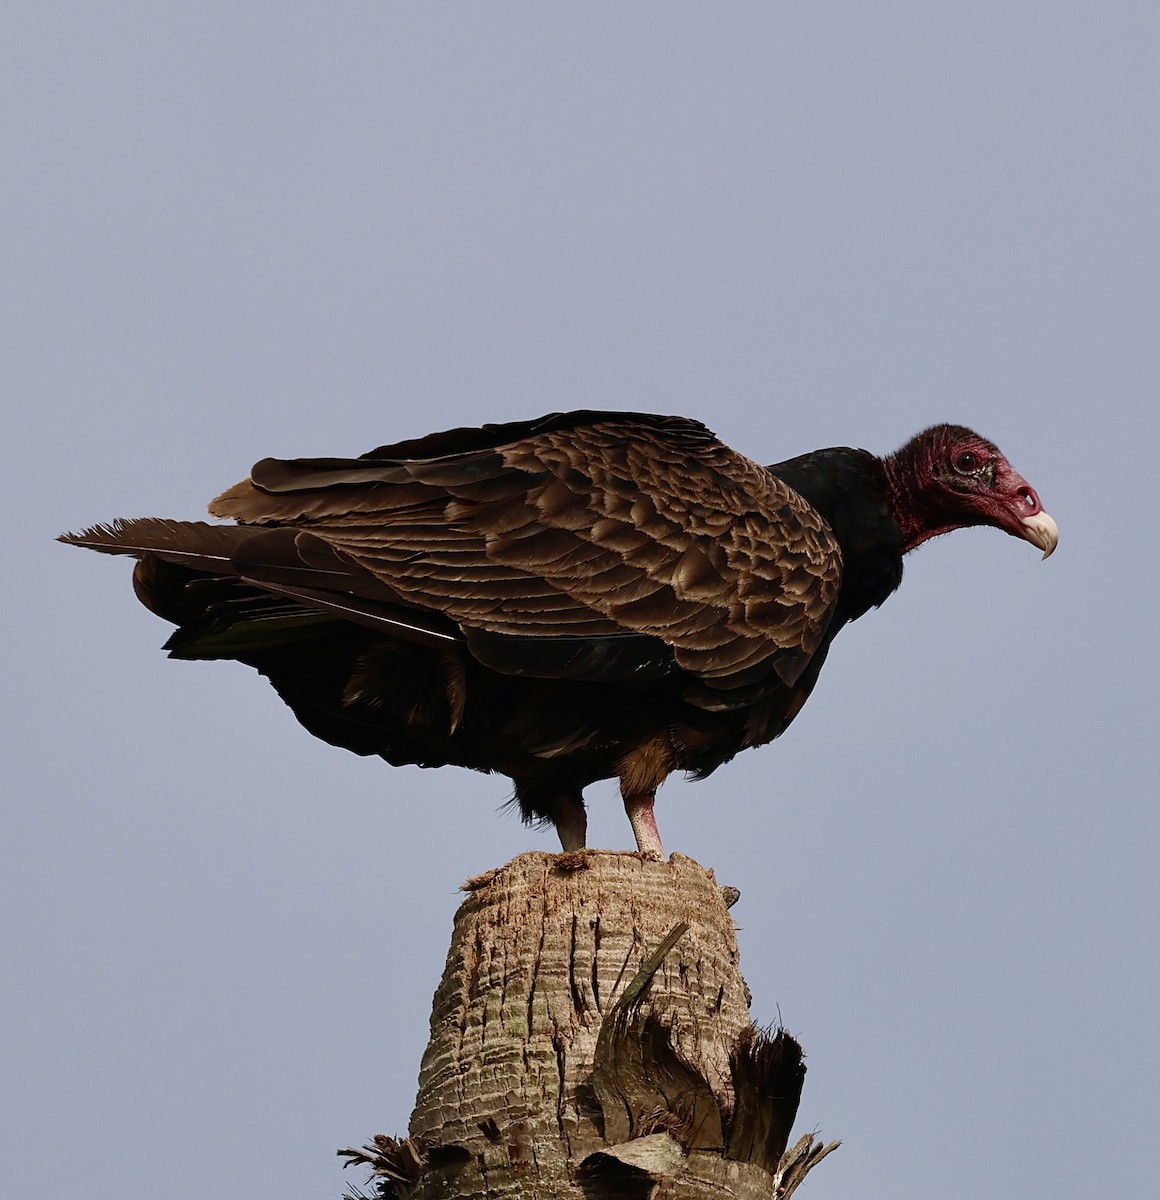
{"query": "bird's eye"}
{"type": "Point", "coordinates": [966, 463]}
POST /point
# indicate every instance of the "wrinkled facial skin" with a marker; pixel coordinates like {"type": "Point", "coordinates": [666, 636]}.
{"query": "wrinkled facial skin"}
{"type": "Point", "coordinates": [949, 477]}
{"type": "Point", "coordinates": [989, 490]}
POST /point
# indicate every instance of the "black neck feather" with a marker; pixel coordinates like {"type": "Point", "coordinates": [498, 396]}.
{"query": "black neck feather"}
{"type": "Point", "coordinates": [850, 489]}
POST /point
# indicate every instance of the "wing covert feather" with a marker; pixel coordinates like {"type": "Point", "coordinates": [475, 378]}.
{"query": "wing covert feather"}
{"type": "Point", "coordinates": [578, 525]}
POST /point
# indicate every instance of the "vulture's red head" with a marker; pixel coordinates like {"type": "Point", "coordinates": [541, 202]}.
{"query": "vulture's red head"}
{"type": "Point", "coordinates": [948, 477]}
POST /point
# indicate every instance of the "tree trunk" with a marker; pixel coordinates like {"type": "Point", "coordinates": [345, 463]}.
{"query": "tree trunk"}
{"type": "Point", "coordinates": [591, 1038]}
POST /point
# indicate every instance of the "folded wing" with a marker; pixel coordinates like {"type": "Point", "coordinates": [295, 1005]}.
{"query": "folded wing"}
{"type": "Point", "coordinates": [583, 546]}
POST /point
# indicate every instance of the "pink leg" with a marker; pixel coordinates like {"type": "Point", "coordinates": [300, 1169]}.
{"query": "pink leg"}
{"type": "Point", "coordinates": [644, 824]}
{"type": "Point", "coordinates": [571, 821]}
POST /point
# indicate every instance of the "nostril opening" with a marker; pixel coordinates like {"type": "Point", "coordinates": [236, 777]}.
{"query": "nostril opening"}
{"type": "Point", "coordinates": [1028, 496]}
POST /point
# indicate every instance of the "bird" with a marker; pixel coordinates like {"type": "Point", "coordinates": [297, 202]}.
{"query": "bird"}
{"type": "Point", "coordinates": [588, 595]}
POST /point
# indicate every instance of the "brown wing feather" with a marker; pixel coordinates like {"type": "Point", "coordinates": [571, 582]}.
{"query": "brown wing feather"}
{"type": "Point", "coordinates": [586, 524]}
{"type": "Point", "coordinates": [189, 543]}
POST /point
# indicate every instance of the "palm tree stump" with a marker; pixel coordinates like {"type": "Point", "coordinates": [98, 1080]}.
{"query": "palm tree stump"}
{"type": "Point", "coordinates": [591, 1038]}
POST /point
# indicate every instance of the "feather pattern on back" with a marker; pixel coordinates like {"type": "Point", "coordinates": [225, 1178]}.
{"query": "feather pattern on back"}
{"type": "Point", "coordinates": [625, 525]}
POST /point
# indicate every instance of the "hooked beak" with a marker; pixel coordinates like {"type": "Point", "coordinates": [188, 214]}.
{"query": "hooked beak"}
{"type": "Point", "coordinates": [1040, 530]}
{"type": "Point", "coordinates": [1022, 513]}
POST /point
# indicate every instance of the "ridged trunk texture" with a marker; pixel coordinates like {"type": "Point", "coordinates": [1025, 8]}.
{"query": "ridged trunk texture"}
{"type": "Point", "coordinates": [591, 1038]}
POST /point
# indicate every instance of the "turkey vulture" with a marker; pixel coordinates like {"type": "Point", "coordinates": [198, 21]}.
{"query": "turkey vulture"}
{"type": "Point", "coordinates": [586, 596]}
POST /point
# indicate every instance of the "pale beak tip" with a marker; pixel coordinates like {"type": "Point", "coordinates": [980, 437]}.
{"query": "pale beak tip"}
{"type": "Point", "coordinates": [1042, 531]}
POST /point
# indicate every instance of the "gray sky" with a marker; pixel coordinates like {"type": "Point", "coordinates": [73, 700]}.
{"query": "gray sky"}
{"type": "Point", "coordinates": [234, 230]}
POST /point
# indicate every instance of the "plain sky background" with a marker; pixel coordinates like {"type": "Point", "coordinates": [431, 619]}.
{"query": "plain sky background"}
{"type": "Point", "coordinates": [235, 230]}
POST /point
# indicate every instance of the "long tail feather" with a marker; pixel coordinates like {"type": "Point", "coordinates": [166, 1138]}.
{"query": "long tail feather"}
{"type": "Point", "coordinates": [268, 563]}
{"type": "Point", "coordinates": [190, 543]}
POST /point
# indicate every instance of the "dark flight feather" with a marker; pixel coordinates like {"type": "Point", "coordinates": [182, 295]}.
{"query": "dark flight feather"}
{"type": "Point", "coordinates": [562, 600]}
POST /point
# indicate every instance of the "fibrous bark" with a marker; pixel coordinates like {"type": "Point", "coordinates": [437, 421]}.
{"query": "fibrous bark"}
{"type": "Point", "coordinates": [591, 1038]}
